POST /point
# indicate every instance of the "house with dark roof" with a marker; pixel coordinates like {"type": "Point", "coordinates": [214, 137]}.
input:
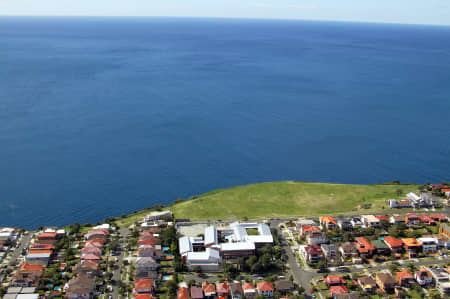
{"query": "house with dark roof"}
{"type": "Point", "coordinates": [385, 282]}
{"type": "Point", "coordinates": [312, 254]}
{"type": "Point", "coordinates": [81, 286]}
{"type": "Point", "coordinates": [236, 290]}
{"type": "Point", "coordinates": [284, 286]}
{"type": "Point", "coordinates": [367, 284]}
{"type": "Point", "coordinates": [330, 251]}
{"type": "Point", "coordinates": [381, 248]}
{"type": "Point", "coordinates": [348, 250]}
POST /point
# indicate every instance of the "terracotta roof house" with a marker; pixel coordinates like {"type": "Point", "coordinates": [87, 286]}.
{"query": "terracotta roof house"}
{"type": "Point", "coordinates": [27, 276]}
{"type": "Point", "coordinates": [412, 219]}
{"type": "Point", "coordinates": [328, 222]}
{"type": "Point", "coordinates": [383, 217]}
{"type": "Point", "coordinates": [334, 280]}
{"type": "Point", "coordinates": [439, 217]}
{"type": "Point", "coordinates": [312, 253]}
{"type": "Point", "coordinates": [265, 288]}
{"type": "Point", "coordinates": [348, 250]}
{"type": "Point", "coordinates": [209, 289]}
{"type": "Point", "coordinates": [423, 277]}
{"type": "Point", "coordinates": [153, 241]}
{"type": "Point", "coordinates": [196, 292]}
{"type": "Point", "coordinates": [364, 247]}
{"type": "Point", "coordinates": [91, 256]}
{"type": "Point", "coordinates": [47, 236]}
{"type": "Point", "coordinates": [284, 286]}
{"type": "Point", "coordinates": [394, 244]}
{"type": "Point", "coordinates": [249, 290]}
{"type": "Point", "coordinates": [386, 282]}
{"type": "Point", "coordinates": [183, 293]}
{"type": "Point", "coordinates": [338, 290]}
{"type": "Point", "coordinates": [236, 290]}
{"type": "Point", "coordinates": [368, 284]}
{"type": "Point", "coordinates": [412, 246]}
{"type": "Point", "coordinates": [306, 229]}
{"type": "Point", "coordinates": [81, 286]}
{"type": "Point", "coordinates": [223, 289]}
{"type": "Point", "coordinates": [91, 249]}
{"type": "Point", "coordinates": [144, 286]}
{"type": "Point", "coordinates": [144, 296]}
{"type": "Point", "coordinates": [404, 278]}
{"type": "Point", "coordinates": [427, 220]}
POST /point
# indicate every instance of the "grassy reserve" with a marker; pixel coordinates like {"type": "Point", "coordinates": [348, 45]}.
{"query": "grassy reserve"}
{"type": "Point", "coordinates": [285, 199]}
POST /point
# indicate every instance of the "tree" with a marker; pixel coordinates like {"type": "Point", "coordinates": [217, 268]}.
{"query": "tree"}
{"type": "Point", "coordinates": [323, 266]}
{"type": "Point", "coordinates": [171, 286]}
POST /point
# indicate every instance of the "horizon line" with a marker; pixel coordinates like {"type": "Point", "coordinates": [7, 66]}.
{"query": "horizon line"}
{"type": "Point", "coordinates": [226, 18]}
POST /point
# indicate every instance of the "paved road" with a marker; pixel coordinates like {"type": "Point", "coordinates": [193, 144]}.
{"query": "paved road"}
{"type": "Point", "coordinates": [123, 234]}
{"type": "Point", "coordinates": [23, 244]}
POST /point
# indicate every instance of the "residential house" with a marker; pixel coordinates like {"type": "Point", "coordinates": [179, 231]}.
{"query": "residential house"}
{"type": "Point", "coordinates": [348, 250]}
{"type": "Point", "coordinates": [429, 244]}
{"type": "Point", "coordinates": [96, 234]}
{"type": "Point", "coordinates": [265, 288]}
{"type": "Point", "coordinates": [441, 278]}
{"type": "Point", "coordinates": [364, 247]}
{"type": "Point", "coordinates": [439, 218]}
{"type": "Point", "coordinates": [368, 284]}
{"type": "Point", "coordinates": [328, 222]}
{"type": "Point", "coordinates": [395, 245]}
{"type": "Point", "coordinates": [381, 248]}
{"type": "Point", "coordinates": [412, 246]}
{"type": "Point", "coordinates": [385, 282]}
{"type": "Point", "coordinates": [284, 287]}
{"type": "Point", "coordinates": [196, 292]}
{"type": "Point", "coordinates": [356, 222]}
{"type": "Point", "coordinates": [444, 230]}
{"type": "Point", "coordinates": [183, 293]}
{"type": "Point", "coordinates": [91, 249]}
{"type": "Point", "coordinates": [91, 257]}
{"type": "Point", "coordinates": [344, 224]}
{"type": "Point", "coordinates": [27, 276]}
{"type": "Point", "coordinates": [35, 258]}
{"type": "Point", "coordinates": [423, 277]}
{"type": "Point", "coordinates": [399, 203]}
{"type": "Point", "coordinates": [412, 219]}
{"type": "Point", "coordinates": [334, 280]}
{"type": "Point", "coordinates": [318, 238]}
{"type": "Point", "coordinates": [153, 251]}
{"type": "Point", "coordinates": [329, 251]}
{"type": "Point", "coordinates": [144, 286]}
{"type": "Point", "coordinates": [236, 290]}
{"type": "Point", "coordinates": [338, 290]}
{"type": "Point", "coordinates": [209, 290]}
{"type": "Point", "coordinates": [305, 222]}
{"type": "Point", "coordinates": [312, 254]}
{"type": "Point", "coordinates": [382, 218]}
{"type": "Point", "coordinates": [249, 290]}
{"type": "Point", "coordinates": [87, 266]}
{"type": "Point", "coordinates": [81, 287]}
{"type": "Point", "coordinates": [397, 219]}
{"type": "Point", "coordinates": [352, 295]}
{"type": "Point", "coordinates": [370, 221]}
{"type": "Point", "coordinates": [305, 230]}
{"type": "Point", "coordinates": [223, 290]}
{"type": "Point", "coordinates": [404, 278]}
{"type": "Point", "coordinates": [145, 266]}
{"type": "Point", "coordinates": [427, 220]}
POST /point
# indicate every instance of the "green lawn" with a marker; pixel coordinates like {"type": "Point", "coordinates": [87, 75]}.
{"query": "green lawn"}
{"type": "Point", "coordinates": [281, 199]}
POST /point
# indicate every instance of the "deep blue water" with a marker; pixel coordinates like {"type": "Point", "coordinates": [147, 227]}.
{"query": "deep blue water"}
{"type": "Point", "coordinates": [100, 117]}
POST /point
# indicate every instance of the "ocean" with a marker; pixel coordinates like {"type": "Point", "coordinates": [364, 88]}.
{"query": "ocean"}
{"type": "Point", "coordinates": [104, 116]}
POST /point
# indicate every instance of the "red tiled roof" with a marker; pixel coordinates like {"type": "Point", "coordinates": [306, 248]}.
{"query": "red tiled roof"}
{"type": "Point", "coordinates": [364, 244]}
{"type": "Point", "coordinates": [143, 284]}
{"type": "Point", "coordinates": [148, 241]}
{"type": "Point", "coordinates": [265, 286]}
{"type": "Point", "coordinates": [183, 293]}
{"type": "Point", "coordinates": [248, 286]}
{"type": "Point", "coordinates": [222, 288]}
{"type": "Point", "coordinates": [91, 256]}
{"type": "Point", "coordinates": [29, 267]}
{"type": "Point", "coordinates": [338, 290]}
{"type": "Point", "coordinates": [208, 288]}
{"type": "Point", "coordinates": [333, 279]}
{"type": "Point", "coordinates": [404, 274]}
{"type": "Point", "coordinates": [393, 242]}
{"type": "Point", "coordinates": [143, 296]}
{"type": "Point", "coordinates": [382, 217]}
{"type": "Point", "coordinates": [47, 235]}
{"type": "Point", "coordinates": [327, 219]}
{"type": "Point", "coordinates": [38, 251]}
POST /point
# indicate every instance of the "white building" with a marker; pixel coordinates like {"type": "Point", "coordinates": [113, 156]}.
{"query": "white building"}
{"type": "Point", "coordinates": [208, 260]}
{"type": "Point", "coordinates": [156, 215]}
{"type": "Point", "coordinates": [429, 244]}
{"type": "Point", "coordinates": [370, 221]}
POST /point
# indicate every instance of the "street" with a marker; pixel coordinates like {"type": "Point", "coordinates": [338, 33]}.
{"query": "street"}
{"type": "Point", "coordinates": [123, 233]}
